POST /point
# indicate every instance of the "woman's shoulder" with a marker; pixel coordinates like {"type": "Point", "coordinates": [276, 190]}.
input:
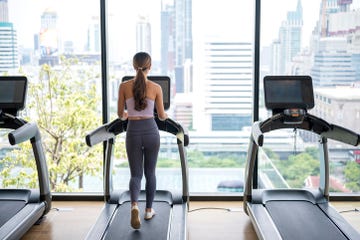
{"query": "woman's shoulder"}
{"type": "Point", "coordinates": [127, 82]}
{"type": "Point", "coordinates": [153, 84]}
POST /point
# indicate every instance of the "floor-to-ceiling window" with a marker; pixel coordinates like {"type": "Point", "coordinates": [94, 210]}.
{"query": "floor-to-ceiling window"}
{"type": "Point", "coordinates": [321, 39]}
{"type": "Point", "coordinates": [207, 51]}
{"type": "Point", "coordinates": [56, 44]}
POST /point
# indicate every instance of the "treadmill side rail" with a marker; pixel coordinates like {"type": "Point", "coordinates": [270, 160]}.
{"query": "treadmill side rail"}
{"type": "Point", "coordinates": [339, 221]}
{"type": "Point", "coordinates": [178, 224]}
{"type": "Point", "coordinates": [264, 226]}
{"type": "Point", "coordinates": [20, 223]}
{"type": "Point", "coordinates": [117, 202]}
{"type": "Point", "coordinates": [99, 228]}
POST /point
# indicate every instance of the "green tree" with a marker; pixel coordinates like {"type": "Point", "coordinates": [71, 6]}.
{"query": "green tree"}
{"type": "Point", "coordinates": [313, 152]}
{"type": "Point", "coordinates": [297, 168]}
{"type": "Point", "coordinates": [271, 154]}
{"type": "Point", "coordinates": [15, 176]}
{"type": "Point", "coordinates": [195, 158]}
{"type": "Point", "coordinates": [352, 173]}
{"type": "Point", "coordinates": [66, 106]}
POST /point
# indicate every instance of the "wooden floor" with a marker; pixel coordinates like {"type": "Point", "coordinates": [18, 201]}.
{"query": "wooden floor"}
{"type": "Point", "coordinates": [206, 220]}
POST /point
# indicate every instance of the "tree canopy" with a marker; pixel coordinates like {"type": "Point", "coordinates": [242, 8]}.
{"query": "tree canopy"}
{"type": "Point", "coordinates": [63, 101]}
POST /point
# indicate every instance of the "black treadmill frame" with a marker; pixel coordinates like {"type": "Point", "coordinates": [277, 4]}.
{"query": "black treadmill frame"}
{"type": "Point", "coordinates": [255, 199]}
{"type": "Point", "coordinates": [37, 202]}
{"type": "Point", "coordinates": [115, 198]}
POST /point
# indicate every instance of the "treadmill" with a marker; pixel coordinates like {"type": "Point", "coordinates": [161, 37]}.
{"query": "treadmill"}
{"type": "Point", "coordinates": [20, 209]}
{"type": "Point", "coordinates": [170, 221]}
{"type": "Point", "coordinates": [294, 213]}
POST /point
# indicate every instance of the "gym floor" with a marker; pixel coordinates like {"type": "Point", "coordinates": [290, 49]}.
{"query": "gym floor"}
{"type": "Point", "coordinates": [206, 220]}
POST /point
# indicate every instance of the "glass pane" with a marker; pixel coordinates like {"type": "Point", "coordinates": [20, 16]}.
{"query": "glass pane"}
{"type": "Point", "coordinates": [57, 47]}
{"type": "Point", "coordinates": [207, 51]}
{"type": "Point", "coordinates": [17, 164]}
{"type": "Point", "coordinates": [287, 161]}
{"type": "Point", "coordinates": [320, 39]}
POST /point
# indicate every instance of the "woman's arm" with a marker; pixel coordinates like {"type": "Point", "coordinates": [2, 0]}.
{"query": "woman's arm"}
{"type": "Point", "coordinates": [121, 103]}
{"type": "Point", "coordinates": [159, 104]}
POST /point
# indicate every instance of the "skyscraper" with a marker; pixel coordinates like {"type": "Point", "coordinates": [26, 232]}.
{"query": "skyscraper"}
{"type": "Point", "coordinates": [183, 43]}
{"type": "Point", "coordinates": [177, 43]}
{"type": "Point", "coordinates": [289, 42]}
{"type": "Point", "coordinates": [183, 23]}
{"type": "Point", "coordinates": [8, 41]}
{"type": "Point", "coordinates": [227, 86]}
{"type": "Point", "coordinates": [336, 56]}
{"type": "Point", "coordinates": [332, 63]}
{"type": "Point", "coordinates": [143, 35]}
{"type": "Point", "coordinates": [48, 38]}
{"type": "Point", "coordinates": [93, 36]}
{"type": "Point", "coordinates": [167, 39]}
{"type": "Point", "coordinates": [4, 11]}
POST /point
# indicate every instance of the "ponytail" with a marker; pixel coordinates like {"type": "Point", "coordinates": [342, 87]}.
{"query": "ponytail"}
{"type": "Point", "coordinates": [141, 62]}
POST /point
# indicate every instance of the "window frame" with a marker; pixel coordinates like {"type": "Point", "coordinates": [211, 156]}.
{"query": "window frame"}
{"type": "Point", "coordinates": [255, 114]}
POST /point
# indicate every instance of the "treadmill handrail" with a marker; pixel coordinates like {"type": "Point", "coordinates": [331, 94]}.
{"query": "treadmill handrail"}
{"type": "Point", "coordinates": [342, 134]}
{"type": "Point", "coordinates": [108, 132]}
{"type": "Point", "coordinates": [100, 134]}
{"type": "Point", "coordinates": [310, 123]}
{"type": "Point", "coordinates": [24, 133]}
{"type": "Point", "coordinates": [30, 131]}
{"type": "Point", "coordinates": [111, 130]}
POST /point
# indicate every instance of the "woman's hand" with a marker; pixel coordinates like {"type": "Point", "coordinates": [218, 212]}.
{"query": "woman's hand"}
{"type": "Point", "coordinates": [124, 116]}
{"type": "Point", "coordinates": [164, 117]}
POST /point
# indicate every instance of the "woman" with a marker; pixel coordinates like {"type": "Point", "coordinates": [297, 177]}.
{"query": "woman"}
{"type": "Point", "coordinates": [142, 135]}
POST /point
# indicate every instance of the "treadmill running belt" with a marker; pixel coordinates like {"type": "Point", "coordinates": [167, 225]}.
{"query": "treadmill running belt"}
{"type": "Point", "coordinates": [302, 220]}
{"type": "Point", "coordinates": [8, 209]}
{"type": "Point", "coordinates": [154, 229]}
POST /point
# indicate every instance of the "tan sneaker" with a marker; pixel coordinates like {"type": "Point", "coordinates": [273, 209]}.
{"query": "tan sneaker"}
{"type": "Point", "coordinates": [135, 217]}
{"type": "Point", "coordinates": [149, 215]}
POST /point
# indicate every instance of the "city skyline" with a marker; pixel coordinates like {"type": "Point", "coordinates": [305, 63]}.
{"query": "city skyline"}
{"type": "Point", "coordinates": [222, 69]}
{"type": "Point", "coordinates": [203, 25]}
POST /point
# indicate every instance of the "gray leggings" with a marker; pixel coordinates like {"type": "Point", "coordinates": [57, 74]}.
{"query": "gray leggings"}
{"type": "Point", "coordinates": [142, 148]}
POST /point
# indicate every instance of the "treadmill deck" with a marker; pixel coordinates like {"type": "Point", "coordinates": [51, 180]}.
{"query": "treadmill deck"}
{"type": "Point", "coordinates": [155, 229]}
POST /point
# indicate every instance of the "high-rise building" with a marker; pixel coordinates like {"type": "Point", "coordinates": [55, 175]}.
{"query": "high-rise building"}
{"type": "Point", "coordinates": [336, 52]}
{"type": "Point", "coordinates": [327, 7]}
{"type": "Point", "coordinates": [337, 103]}
{"type": "Point", "coordinates": [93, 36]}
{"type": "Point", "coordinates": [332, 63]}
{"type": "Point", "coordinates": [288, 43]}
{"type": "Point", "coordinates": [167, 39]}
{"type": "Point", "coordinates": [4, 11]}
{"type": "Point", "coordinates": [183, 23]}
{"type": "Point", "coordinates": [143, 35]}
{"type": "Point", "coordinates": [9, 59]}
{"type": "Point", "coordinates": [176, 55]}
{"type": "Point", "coordinates": [226, 90]}
{"type": "Point", "coordinates": [177, 43]}
{"type": "Point", "coordinates": [48, 38]}
{"type": "Point", "coordinates": [183, 42]}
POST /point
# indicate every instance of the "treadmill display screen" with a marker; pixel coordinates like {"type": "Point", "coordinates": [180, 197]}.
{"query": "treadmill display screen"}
{"type": "Point", "coordinates": [12, 92]}
{"type": "Point", "coordinates": [283, 92]}
{"type": "Point", "coordinates": [164, 82]}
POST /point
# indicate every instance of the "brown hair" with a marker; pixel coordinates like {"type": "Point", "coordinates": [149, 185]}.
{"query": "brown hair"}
{"type": "Point", "coordinates": [141, 62]}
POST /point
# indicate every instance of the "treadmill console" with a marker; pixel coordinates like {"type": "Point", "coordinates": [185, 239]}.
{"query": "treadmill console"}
{"type": "Point", "coordinates": [12, 94]}
{"type": "Point", "coordinates": [291, 95]}
{"type": "Point", "coordinates": [164, 82]}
